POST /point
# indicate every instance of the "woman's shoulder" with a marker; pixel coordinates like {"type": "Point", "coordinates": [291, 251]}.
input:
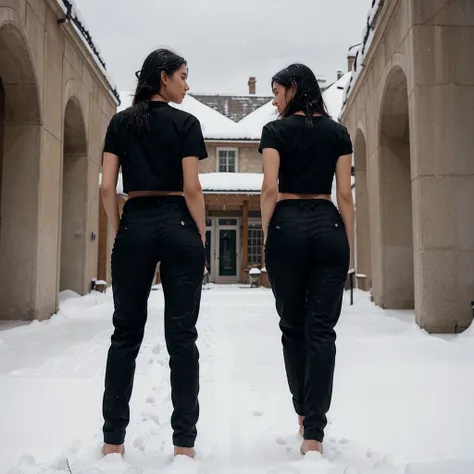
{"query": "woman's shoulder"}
{"type": "Point", "coordinates": [339, 129]}
{"type": "Point", "coordinates": [183, 118]}
{"type": "Point", "coordinates": [118, 119]}
{"type": "Point", "coordinates": [330, 122]}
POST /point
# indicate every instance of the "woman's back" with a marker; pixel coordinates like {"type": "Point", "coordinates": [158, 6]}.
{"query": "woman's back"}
{"type": "Point", "coordinates": [308, 154]}
{"type": "Point", "coordinates": [151, 158]}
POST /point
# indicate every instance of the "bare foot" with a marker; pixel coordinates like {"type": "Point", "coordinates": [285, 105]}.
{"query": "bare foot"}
{"type": "Point", "coordinates": [113, 449]}
{"type": "Point", "coordinates": [311, 445]}
{"type": "Point", "coordinates": [300, 423]}
{"type": "Point", "coordinates": [189, 452]}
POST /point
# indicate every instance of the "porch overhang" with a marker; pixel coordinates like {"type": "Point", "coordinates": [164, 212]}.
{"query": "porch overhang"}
{"type": "Point", "coordinates": [232, 201]}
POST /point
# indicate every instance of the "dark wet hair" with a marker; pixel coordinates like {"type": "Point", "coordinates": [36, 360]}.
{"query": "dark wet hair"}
{"type": "Point", "coordinates": [149, 83]}
{"type": "Point", "coordinates": [308, 97]}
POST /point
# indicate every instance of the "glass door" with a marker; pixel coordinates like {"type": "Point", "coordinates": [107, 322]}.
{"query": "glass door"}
{"type": "Point", "coordinates": [228, 250]}
{"type": "Point", "coordinates": [228, 253]}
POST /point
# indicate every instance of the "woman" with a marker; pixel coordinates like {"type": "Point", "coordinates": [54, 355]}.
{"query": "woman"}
{"type": "Point", "coordinates": [307, 241]}
{"type": "Point", "coordinates": [158, 148]}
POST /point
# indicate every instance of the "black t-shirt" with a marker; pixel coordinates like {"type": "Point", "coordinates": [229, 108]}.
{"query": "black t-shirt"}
{"type": "Point", "coordinates": [151, 161]}
{"type": "Point", "coordinates": [308, 155]}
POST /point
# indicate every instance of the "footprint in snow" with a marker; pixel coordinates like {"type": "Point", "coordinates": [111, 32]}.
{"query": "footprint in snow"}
{"type": "Point", "coordinates": [151, 400]}
{"type": "Point", "coordinates": [151, 416]}
{"type": "Point", "coordinates": [139, 443]}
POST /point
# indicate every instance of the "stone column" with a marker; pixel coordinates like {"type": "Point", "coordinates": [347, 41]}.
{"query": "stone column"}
{"type": "Point", "coordinates": [443, 176]}
{"type": "Point", "coordinates": [49, 182]}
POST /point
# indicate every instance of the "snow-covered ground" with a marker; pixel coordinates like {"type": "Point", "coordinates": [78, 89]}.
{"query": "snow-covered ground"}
{"type": "Point", "coordinates": [403, 400]}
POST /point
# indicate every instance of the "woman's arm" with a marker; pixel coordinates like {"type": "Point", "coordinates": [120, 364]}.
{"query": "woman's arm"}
{"type": "Point", "coordinates": [110, 170]}
{"type": "Point", "coordinates": [193, 194]}
{"type": "Point", "coordinates": [269, 196]}
{"type": "Point", "coordinates": [345, 201]}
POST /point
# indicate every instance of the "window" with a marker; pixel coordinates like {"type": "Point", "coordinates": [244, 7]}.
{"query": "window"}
{"type": "Point", "coordinates": [255, 243]}
{"type": "Point", "coordinates": [226, 160]}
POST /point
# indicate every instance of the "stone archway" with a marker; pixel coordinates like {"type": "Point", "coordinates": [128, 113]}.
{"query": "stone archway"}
{"type": "Point", "coordinates": [363, 245]}
{"type": "Point", "coordinates": [73, 207]}
{"type": "Point", "coordinates": [396, 195]}
{"type": "Point", "coordinates": [20, 147]}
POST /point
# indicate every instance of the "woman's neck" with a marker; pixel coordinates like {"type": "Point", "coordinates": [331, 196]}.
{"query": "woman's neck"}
{"type": "Point", "coordinates": [157, 98]}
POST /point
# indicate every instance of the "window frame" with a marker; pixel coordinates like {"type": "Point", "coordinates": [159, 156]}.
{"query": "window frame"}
{"type": "Point", "coordinates": [218, 150]}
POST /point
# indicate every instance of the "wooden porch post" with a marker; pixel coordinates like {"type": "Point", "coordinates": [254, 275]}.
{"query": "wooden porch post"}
{"type": "Point", "coordinates": [245, 239]}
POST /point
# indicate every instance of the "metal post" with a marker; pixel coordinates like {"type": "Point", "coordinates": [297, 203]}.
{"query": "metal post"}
{"type": "Point", "coordinates": [351, 281]}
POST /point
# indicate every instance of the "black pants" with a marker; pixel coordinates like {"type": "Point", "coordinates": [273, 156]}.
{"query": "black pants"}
{"type": "Point", "coordinates": [152, 230]}
{"type": "Point", "coordinates": [307, 258]}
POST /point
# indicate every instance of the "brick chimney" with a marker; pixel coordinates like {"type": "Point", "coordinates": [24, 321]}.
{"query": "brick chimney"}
{"type": "Point", "coordinates": [252, 85]}
{"type": "Point", "coordinates": [350, 62]}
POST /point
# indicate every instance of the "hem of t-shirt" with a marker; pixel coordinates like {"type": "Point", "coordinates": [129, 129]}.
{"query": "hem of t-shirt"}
{"type": "Point", "coordinates": [349, 151]}
{"type": "Point", "coordinates": [167, 190]}
{"type": "Point", "coordinates": [199, 157]}
{"type": "Point", "coordinates": [260, 149]}
{"type": "Point", "coordinates": [110, 150]}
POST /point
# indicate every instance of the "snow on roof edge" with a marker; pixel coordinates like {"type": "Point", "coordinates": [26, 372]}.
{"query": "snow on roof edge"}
{"type": "Point", "coordinates": [72, 13]}
{"type": "Point", "coordinates": [367, 38]}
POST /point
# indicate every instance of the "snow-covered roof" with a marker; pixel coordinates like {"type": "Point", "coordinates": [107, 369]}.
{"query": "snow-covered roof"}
{"type": "Point", "coordinates": [73, 14]}
{"type": "Point", "coordinates": [334, 95]}
{"type": "Point", "coordinates": [252, 125]}
{"type": "Point", "coordinates": [367, 38]}
{"type": "Point", "coordinates": [233, 106]}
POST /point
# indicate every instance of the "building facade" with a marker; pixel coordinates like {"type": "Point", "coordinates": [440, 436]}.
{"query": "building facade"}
{"type": "Point", "coordinates": [408, 107]}
{"type": "Point", "coordinates": [55, 103]}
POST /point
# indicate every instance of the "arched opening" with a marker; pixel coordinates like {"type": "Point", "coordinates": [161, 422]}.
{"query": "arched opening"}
{"type": "Point", "coordinates": [363, 247]}
{"type": "Point", "coordinates": [73, 203]}
{"type": "Point", "coordinates": [396, 196]}
{"type": "Point", "coordinates": [20, 146]}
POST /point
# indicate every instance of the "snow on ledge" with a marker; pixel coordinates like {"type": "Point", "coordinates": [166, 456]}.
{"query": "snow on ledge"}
{"type": "Point", "coordinates": [367, 38]}
{"type": "Point", "coordinates": [75, 17]}
{"type": "Point", "coordinates": [233, 182]}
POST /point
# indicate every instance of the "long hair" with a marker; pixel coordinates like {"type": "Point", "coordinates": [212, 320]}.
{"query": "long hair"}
{"type": "Point", "coordinates": [308, 97]}
{"type": "Point", "coordinates": [149, 84]}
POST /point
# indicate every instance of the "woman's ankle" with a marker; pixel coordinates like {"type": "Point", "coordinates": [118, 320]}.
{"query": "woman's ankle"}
{"type": "Point", "coordinates": [311, 445]}
{"type": "Point", "coordinates": [112, 449]}
{"type": "Point", "coordinates": [181, 451]}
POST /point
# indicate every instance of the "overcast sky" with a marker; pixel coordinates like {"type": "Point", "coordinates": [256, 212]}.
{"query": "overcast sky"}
{"type": "Point", "coordinates": [226, 41]}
